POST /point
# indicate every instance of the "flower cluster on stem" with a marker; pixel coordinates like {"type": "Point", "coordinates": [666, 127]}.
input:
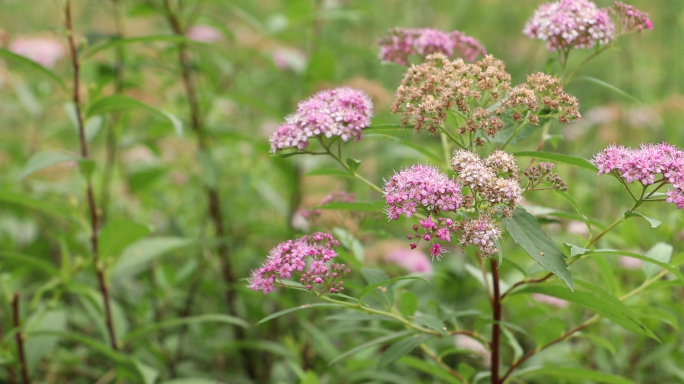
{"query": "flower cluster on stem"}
{"type": "Point", "coordinates": [310, 257]}
{"type": "Point", "coordinates": [401, 43]}
{"type": "Point", "coordinates": [631, 19]}
{"type": "Point", "coordinates": [570, 24]}
{"type": "Point", "coordinates": [340, 112]}
{"type": "Point", "coordinates": [654, 165]}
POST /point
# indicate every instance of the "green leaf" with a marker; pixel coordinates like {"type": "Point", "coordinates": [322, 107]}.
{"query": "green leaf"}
{"type": "Point", "coordinates": [418, 147]}
{"type": "Point", "coordinates": [376, 276]}
{"type": "Point", "coordinates": [38, 347]}
{"type": "Point", "coordinates": [350, 243]}
{"type": "Point", "coordinates": [652, 312]}
{"type": "Point", "coordinates": [654, 222]}
{"type": "Point", "coordinates": [43, 160]}
{"type": "Point", "coordinates": [431, 322]}
{"type": "Point", "coordinates": [527, 232]}
{"type": "Point", "coordinates": [373, 287]}
{"type": "Point", "coordinates": [40, 205]}
{"type": "Point", "coordinates": [135, 257]}
{"type": "Point", "coordinates": [408, 303]}
{"type": "Point", "coordinates": [353, 164]}
{"type": "Point", "coordinates": [578, 373]}
{"type": "Point", "coordinates": [548, 331]}
{"type": "Point", "coordinates": [329, 172]}
{"type": "Point", "coordinates": [660, 252]}
{"type": "Point", "coordinates": [310, 378]}
{"type": "Point", "coordinates": [210, 318]}
{"type": "Point", "coordinates": [362, 206]}
{"type": "Point", "coordinates": [32, 65]}
{"type": "Point", "coordinates": [576, 250]}
{"type": "Point", "coordinates": [189, 380]}
{"type": "Point", "coordinates": [86, 167]}
{"type": "Point", "coordinates": [401, 348]}
{"type": "Point", "coordinates": [429, 368]}
{"type": "Point", "coordinates": [374, 342]}
{"type": "Point", "coordinates": [148, 374]}
{"type": "Point", "coordinates": [595, 299]}
{"type": "Point", "coordinates": [597, 340]}
{"type": "Point", "coordinates": [305, 306]}
{"type": "Point", "coordinates": [578, 209]}
{"type": "Point", "coordinates": [567, 159]}
{"type": "Point", "coordinates": [609, 86]}
{"type": "Point", "coordinates": [141, 39]}
{"type": "Point", "coordinates": [656, 249]}
{"type": "Point", "coordinates": [119, 103]}
{"type": "Point", "coordinates": [30, 261]}
{"type": "Point", "coordinates": [118, 234]}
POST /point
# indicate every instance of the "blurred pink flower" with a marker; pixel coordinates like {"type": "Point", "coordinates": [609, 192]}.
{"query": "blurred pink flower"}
{"type": "Point", "coordinates": [630, 263]}
{"type": "Point", "coordinates": [289, 59]}
{"type": "Point", "coordinates": [43, 50]}
{"type": "Point", "coordinates": [413, 261]}
{"type": "Point", "coordinates": [468, 343]}
{"type": "Point", "coordinates": [550, 300]}
{"type": "Point", "coordinates": [203, 33]}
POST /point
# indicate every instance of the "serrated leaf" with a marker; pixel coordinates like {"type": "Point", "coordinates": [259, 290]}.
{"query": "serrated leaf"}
{"type": "Point", "coordinates": [576, 250]}
{"type": "Point", "coordinates": [548, 331]}
{"type": "Point", "coordinates": [136, 256]}
{"type": "Point", "coordinates": [401, 348]}
{"type": "Point", "coordinates": [43, 160]}
{"type": "Point", "coordinates": [660, 252]}
{"type": "Point", "coordinates": [609, 86]}
{"type": "Point", "coordinates": [595, 299]}
{"type": "Point", "coordinates": [305, 306]}
{"type": "Point", "coordinates": [378, 341]}
{"type": "Point", "coordinates": [28, 63]}
{"type": "Point", "coordinates": [432, 322]}
{"type": "Point", "coordinates": [567, 159]}
{"type": "Point", "coordinates": [527, 232]}
{"type": "Point", "coordinates": [329, 172]}
{"type": "Point", "coordinates": [578, 373]}
{"type": "Point", "coordinates": [373, 287]}
{"type": "Point", "coordinates": [119, 103]}
{"type": "Point", "coordinates": [654, 222]}
{"type": "Point", "coordinates": [118, 234]}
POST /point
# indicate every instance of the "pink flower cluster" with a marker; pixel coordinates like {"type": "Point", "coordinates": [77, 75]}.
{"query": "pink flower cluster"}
{"type": "Point", "coordinates": [44, 51]}
{"type": "Point", "coordinates": [402, 43]}
{"type": "Point", "coordinates": [568, 24]}
{"type": "Point", "coordinates": [631, 19]}
{"type": "Point", "coordinates": [203, 33]}
{"type": "Point", "coordinates": [645, 165]}
{"type": "Point", "coordinates": [421, 186]}
{"type": "Point", "coordinates": [293, 256]}
{"type": "Point", "coordinates": [342, 112]}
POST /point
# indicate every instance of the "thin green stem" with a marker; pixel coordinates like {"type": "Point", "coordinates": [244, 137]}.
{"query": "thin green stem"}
{"type": "Point", "coordinates": [431, 354]}
{"type": "Point", "coordinates": [515, 132]}
{"type": "Point", "coordinates": [446, 149]}
{"type": "Point", "coordinates": [353, 173]}
{"type": "Point", "coordinates": [568, 79]}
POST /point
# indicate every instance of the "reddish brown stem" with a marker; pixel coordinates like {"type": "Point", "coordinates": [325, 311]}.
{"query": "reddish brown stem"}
{"type": "Point", "coordinates": [496, 327]}
{"type": "Point", "coordinates": [92, 206]}
{"type": "Point", "coordinates": [11, 377]}
{"type": "Point", "coordinates": [19, 336]}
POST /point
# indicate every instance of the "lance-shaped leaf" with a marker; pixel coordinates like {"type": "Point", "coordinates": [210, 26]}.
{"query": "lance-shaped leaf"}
{"type": "Point", "coordinates": [527, 232]}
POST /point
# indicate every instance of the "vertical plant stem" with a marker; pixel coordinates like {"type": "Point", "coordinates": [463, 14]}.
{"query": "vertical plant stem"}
{"type": "Point", "coordinates": [496, 327]}
{"type": "Point", "coordinates": [92, 206]}
{"type": "Point", "coordinates": [19, 336]}
{"type": "Point", "coordinates": [214, 208]}
{"type": "Point", "coordinates": [11, 377]}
